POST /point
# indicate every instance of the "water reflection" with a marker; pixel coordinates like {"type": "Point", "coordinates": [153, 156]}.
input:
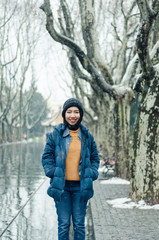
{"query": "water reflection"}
{"type": "Point", "coordinates": [21, 174]}
{"type": "Point", "coordinates": [26, 211]}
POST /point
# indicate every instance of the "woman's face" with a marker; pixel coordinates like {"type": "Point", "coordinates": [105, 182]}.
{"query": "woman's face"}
{"type": "Point", "coordinates": [72, 115]}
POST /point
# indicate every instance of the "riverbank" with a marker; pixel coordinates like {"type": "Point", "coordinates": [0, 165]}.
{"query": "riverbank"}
{"type": "Point", "coordinates": [25, 141]}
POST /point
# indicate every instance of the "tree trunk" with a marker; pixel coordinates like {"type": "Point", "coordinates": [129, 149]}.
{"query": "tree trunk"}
{"type": "Point", "coordinates": [10, 133]}
{"type": "Point", "coordinates": [122, 129]}
{"type": "Point", "coordinates": [3, 132]}
{"type": "Point", "coordinates": [145, 163]}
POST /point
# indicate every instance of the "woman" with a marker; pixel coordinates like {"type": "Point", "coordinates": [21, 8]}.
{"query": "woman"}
{"type": "Point", "coordinates": [71, 160]}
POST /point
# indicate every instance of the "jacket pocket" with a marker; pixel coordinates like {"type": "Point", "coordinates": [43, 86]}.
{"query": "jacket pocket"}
{"type": "Point", "coordinates": [59, 172]}
{"type": "Point", "coordinates": [88, 173]}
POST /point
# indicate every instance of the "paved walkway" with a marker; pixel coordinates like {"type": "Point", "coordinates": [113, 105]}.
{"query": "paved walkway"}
{"type": "Point", "coordinates": [117, 223]}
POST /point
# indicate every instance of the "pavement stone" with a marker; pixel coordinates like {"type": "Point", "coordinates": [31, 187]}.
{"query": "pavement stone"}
{"type": "Point", "coordinates": [117, 223]}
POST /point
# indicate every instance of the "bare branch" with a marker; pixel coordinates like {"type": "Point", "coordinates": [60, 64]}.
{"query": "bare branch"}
{"type": "Point", "coordinates": [116, 33]}
{"type": "Point", "coordinates": [84, 60]}
{"type": "Point", "coordinates": [148, 16]}
{"type": "Point", "coordinates": [9, 18]}
{"type": "Point", "coordinates": [154, 50]}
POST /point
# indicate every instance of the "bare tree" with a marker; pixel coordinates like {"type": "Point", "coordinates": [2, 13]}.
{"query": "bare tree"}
{"type": "Point", "coordinates": [95, 71]}
{"type": "Point", "coordinates": [6, 59]}
{"type": "Point", "coordinates": [112, 80]}
{"type": "Point", "coordinates": [17, 54]}
{"type": "Point", "coordinates": [145, 164]}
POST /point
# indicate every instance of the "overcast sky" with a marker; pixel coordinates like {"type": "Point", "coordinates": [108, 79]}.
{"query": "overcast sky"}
{"type": "Point", "coordinates": [52, 71]}
{"type": "Point", "coordinates": [51, 66]}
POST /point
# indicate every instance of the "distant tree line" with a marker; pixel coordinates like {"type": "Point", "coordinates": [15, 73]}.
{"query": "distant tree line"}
{"type": "Point", "coordinates": [21, 106]}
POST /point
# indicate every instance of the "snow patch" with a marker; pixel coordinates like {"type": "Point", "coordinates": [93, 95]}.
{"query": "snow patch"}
{"type": "Point", "coordinates": [115, 180]}
{"type": "Point", "coordinates": [100, 169]}
{"type": "Point", "coordinates": [128, 203]}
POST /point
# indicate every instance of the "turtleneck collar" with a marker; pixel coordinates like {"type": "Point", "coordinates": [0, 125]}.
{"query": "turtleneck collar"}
{"type": "Point", "coordinates": [73, 127]}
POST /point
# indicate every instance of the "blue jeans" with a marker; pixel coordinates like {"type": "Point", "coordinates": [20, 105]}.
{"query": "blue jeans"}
{"type": "Point", "coordinates": [70, 205]}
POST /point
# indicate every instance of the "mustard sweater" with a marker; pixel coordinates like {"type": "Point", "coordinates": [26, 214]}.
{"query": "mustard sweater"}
{"type": "Point", "coordinates": [73, 157]}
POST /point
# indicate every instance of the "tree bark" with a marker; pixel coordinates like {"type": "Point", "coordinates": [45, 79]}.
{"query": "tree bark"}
{"type": "Point", "coordinates": [145, 164]}
{"type": "Point", "coordinates": [122, 124]}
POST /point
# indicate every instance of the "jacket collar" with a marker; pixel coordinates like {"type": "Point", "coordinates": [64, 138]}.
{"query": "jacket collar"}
{"type": "Point", "coordinates": [64, 131]}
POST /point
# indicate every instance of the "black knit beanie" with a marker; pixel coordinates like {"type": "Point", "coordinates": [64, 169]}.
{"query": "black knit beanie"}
{"type": "Point", "coordinates": [72, 102]}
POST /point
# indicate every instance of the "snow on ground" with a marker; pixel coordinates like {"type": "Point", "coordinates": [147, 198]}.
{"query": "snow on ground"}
{"type": "Point", "coordinates": [115, 180]}
{"type": "Point", "coordinates": [126, 202]}
{"type": "Point", "coordinates": [100, 169]}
